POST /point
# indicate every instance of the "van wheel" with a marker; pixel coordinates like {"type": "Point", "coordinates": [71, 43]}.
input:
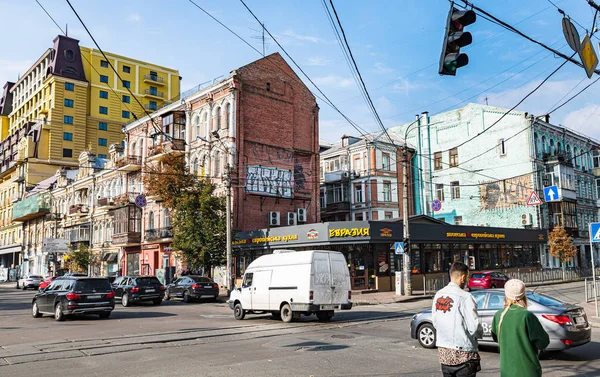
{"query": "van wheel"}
{"type": "Point", "coordinates": [286, 313]}
{"type": "Point", "coordinates": [238, 312]}
{"type": "Point", "coordinates": [325, 315]}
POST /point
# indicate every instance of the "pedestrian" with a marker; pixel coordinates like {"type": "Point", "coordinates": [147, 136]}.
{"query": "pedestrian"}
{"type": "Point", "coordinates": [519, 334]}
{"type": "Point", "coordinates": [457, 326]}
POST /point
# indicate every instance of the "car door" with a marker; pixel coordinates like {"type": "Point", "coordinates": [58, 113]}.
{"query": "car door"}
{"type": "Point", "coordinates": [480, 300]}
{"type": "Point", "coordinates": [115, 285]}
{"type": "Point", "coordinates": [495, 302]}
{"type": "Point", "coordinates": [175, 289]}
{"type": "Point", "coordinates": [246, 290]}
{"type": "Point", "coordinates": [42, 299]}
{"type": "Point", "coordinates": [54, 289]}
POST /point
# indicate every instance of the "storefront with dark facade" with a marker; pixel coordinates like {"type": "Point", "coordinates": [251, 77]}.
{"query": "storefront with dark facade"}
{"type": "Point", "coordinates": [368, 247]}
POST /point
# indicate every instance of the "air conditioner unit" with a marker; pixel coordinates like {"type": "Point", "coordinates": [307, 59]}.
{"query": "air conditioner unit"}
{"type": "Point", "coordinates": [355, 174]}
{"type": "Point", "coordinates": [291, 218]}
{"type": "Point", "coordinates": [274, 219]}
{"type": "Point", "coordinates": [345, 174]}
{"type": "Point", "coordinates": [301, 215]}
{"type": "Point", "coordinates": [526, 219]}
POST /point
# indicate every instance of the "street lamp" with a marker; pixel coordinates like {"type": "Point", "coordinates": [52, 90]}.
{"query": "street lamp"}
{"type": "Point", "coordinates": [229, 277]}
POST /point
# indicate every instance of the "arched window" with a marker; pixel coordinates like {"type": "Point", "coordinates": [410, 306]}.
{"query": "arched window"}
{"type": "Point", "coordinates": [576, 155]}
{"type": "Point", "coordinates": [195, 166]}
{"type": "Point", "coordinates": [133, 150]}
{"type": "Point", "coordinates": [218, 115]}
{"type": "Point", "coordinates": [167, 218]}
{"type": "Point", "coordinates": [536, 143]}
{"type": "Point", "coordinates": [196, 124]}
{"type": "Point", "coordinates": [559, 148]}
{"type": "Point", "coordinates": [217, 165]}
{"type": "Point", "coordinates": [569, 155]}
{"type": "Point", "coordinates": [544, 145]}
{"type": "Point", "coordinates": [205, 124]}
{"type": "Point", "coordinates": [228, 115]}
{"type": "Point", "coordinates": [552, 149]}
{"type": "Point", "coordinates": [151, 220]}
{"type": "Point", "coordinates": [100, 234]}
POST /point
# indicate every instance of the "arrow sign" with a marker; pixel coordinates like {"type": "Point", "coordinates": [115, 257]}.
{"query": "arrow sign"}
{"type": "Point", "coordinates": [534, 199]}
{"type": "Point", "coordinates": [551, 194]}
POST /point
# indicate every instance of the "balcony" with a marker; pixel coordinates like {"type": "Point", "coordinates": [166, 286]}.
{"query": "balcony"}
{"type": "Point", "coordinates": [127, 238]}
{"type": "Point", "coordinates": [167, 147]}
{"type": "Point", "coordinates": [129, 163]}
{"type": "Point", "coordinates": [78, 210]}
{"type": "Point", "coordinates": [79, 233]}
{"type": "Point", "coordinates": [125, 199]}
{"type": "Point", "coordinates": [154, 93]}
{"type": "Point", "coordinates": [151, 106]}
{"type": "Point", "coordinates": [31, 207]}
{"type": "Point", "coordinates": [106, 203]}
{"type": "Point", "coordinates": [336, 207]}
{"type": "Point", "coordinates": [154, 79]}
{"type": "Point", "coordinates": [159, 233]}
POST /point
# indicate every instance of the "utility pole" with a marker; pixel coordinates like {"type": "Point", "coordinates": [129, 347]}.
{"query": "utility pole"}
{"type": "Point", "coordinates": [405, 230]}
{"type": "Point", "coordinates": [228, 214]}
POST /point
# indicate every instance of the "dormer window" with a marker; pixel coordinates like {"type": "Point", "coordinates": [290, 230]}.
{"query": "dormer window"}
{"type": "Point", "coordinates": [345, 141]}
{"type": "Point", "coordinates": [69, 55]}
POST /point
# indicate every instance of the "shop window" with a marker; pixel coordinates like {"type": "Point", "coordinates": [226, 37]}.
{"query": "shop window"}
{"type": "Point", "coordinates": [437, 160]}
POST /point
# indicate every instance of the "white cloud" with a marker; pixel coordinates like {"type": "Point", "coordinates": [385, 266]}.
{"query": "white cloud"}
{"type": "Point", "coordinates": [404, 86]}
{"type": "Point", "coordinates": [135, 17]}
{"type": "Point", "coordinates": [11, 69]}
{"type": "Point", "coordinates": [586, 120]}
{"type": "Point", "coordinates": [333, 81]}
{"type": "Point", "coordinates": [291, 34]}
{"type": "Point", "coordinates": [317, 61]}
{"type": "Point", "coordinates": [382, 68]}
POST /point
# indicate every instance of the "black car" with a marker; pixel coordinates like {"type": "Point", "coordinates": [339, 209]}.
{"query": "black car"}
{"type": "Point", "coordinates": [192, 287]}
{"type": "Point", "coordinates": [74, 295]}
{"type": "Point", "coordinates": [130, 289]}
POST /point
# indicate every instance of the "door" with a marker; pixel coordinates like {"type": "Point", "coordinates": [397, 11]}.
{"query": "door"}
{"type": "Point", "coordinates": [246, 290]}
{"type": "Point", "coordinates": [495, 302]}
{"type": "Point", "coordinates": [44, 300]}
{"type": "Point", "coordinates": [322, 285]}
{"type": "Point", "coordinates": [261, 283]}
{"type": "Point", "coordinates": [340, 278]}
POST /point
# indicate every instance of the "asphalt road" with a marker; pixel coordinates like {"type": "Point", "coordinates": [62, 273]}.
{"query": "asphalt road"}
{"type": "Point", "coordinates": [203, 339]}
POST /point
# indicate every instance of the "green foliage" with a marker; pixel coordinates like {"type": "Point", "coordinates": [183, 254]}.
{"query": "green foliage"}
{"type": "Point", "coordinates": [78, 260]}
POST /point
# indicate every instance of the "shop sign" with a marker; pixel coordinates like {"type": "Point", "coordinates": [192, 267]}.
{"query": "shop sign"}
{"type": "Point", "coordinates": [312, 235]}
{"type": "Point", "coordinates": [257, 240]}
{"type": "Point", "coordinates": [349, 232]}
{"type": "Point", "coordinates": [386, 232]}
{"type": "Point", "coordinates": [485, 235]}
{"type": "Point", "coordinates": [541, 237]}
{"type": "Point", "coordinates": [148, 247]}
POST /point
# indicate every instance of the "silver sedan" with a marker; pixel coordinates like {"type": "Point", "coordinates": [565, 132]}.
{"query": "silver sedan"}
{"type": "Point", "coordinates": [567, 325]}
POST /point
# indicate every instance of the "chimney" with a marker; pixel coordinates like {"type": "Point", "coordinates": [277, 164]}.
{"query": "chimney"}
{"type": "Point", "coordinates": [425, 116]}
{"type": "Point", "coordinates": [547, 118]}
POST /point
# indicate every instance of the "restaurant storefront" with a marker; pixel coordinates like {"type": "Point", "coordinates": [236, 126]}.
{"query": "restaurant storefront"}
{"type": "Point", "coordinates": [368, 247]}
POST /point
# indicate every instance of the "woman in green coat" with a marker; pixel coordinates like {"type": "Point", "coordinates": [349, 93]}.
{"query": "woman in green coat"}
{"type": "Point", "coordinates": [519, 334]}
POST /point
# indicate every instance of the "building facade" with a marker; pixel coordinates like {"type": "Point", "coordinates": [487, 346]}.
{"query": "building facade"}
{"type": "Point", "coordinates": [489, 181]}
{"type": "Point", "coordinates": [70, 100]}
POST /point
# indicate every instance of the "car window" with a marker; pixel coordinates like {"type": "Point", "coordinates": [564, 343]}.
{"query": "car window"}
{"type": "Point", "coordinates": [54, 285]}
{"type": "Point", "coordinates": [544, 300]}
{"type": "Point", "coordinates": [117, 281]}
{"type": "Point", "coordinates": [126, 281]}
{"type": "Point", "coordinates": [479, 299]}
{"type": "Point", "coordinates": [478, 276]}
{"type": "Point", "coordinates": [147, 281]}
{"type": "Point", "coordinates": [36, 277]}
{"type": "Point", "coordinates": [201, 279]}
{"type": "Point", "coordinates": [247, 280]}
{"type": "Point", "coordinates": [91, 285]}
{"type": "Point", "coordinates": [496, 301]}
{"type": "Point", "coordinates": [67, 285]}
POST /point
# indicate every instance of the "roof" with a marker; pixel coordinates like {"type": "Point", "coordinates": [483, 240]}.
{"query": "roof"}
{"type": "Point", "coordinates": [44, 185]}
{"type": "Point", "coordinates": [374, 137]}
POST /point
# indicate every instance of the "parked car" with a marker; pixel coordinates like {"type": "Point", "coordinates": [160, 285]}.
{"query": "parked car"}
{"type": "Point", "coordinates": [487, 280]}
{"type": "Point", "coordinates": [131, 289]}
{"type": "Point", "coordinates": [47, 281]}
{"type": "Point", "coordinates": [290, 283]}
{"type": "Point", "coordinates": [74, 295]}
{"type": "Point", "coordinates": [30, 281]}
{"type": "Point", "coordinates": [567, 325]}
{"type": "Point", "coordinates": [192, 287]}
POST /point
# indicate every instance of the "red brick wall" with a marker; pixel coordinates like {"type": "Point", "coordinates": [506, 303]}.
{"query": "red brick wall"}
{"type": "Point", "coordinates": [276, 127]}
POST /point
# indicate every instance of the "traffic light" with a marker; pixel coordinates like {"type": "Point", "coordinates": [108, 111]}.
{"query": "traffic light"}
{"type": "Point", "coordinates": [454, 39]}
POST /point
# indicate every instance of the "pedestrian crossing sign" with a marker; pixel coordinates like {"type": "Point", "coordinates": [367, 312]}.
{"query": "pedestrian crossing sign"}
{"type": "Point", "coordinates": [595, 232]}
{"type": "Point", "coordinates": [534, 199]}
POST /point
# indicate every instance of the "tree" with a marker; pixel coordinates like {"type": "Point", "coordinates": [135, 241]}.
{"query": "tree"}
{"type": "Point", "coordinates": [199, 222]}
{"type": "Point", "coordinates": [561, 246]}
{"type": "Point", "coordinates": [78, 260]}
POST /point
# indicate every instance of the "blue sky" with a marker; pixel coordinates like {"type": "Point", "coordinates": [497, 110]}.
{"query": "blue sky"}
{"type": "Point", "coordinates": [396, 44]}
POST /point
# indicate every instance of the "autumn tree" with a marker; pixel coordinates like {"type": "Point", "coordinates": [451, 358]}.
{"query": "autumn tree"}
{"type": "Point", "coordinates": [199, 221]}
{"type": "Point", "coordinates": [79, 259]}
{"type": "Point", "coordinates": [561, 246]}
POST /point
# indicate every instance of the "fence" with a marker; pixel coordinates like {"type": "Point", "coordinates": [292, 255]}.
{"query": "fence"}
{"type": "Point", "coordinates": [589, 288]}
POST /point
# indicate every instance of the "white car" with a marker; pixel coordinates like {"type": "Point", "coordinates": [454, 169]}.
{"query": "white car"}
{"type": "Point", "coordinates": [30, 281]}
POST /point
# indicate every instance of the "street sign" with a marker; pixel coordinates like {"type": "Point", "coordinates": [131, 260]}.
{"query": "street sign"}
{"type": "Point", "coordinates": [571, 34]}
{"type": "Point", "coordinates": [55, 245]}
{"type": "Point", "coordinates": [551, 194]}
{"type": "Point", "coordinates": [140, 200]}
{"type": "Point", "coordinates": [399, 248]}
{"type": "Point", "coordinates": [595, 232]}
{"type": "Point", "coordinates": [534, 199]}
{"type": "Point", "coordinates": [436, 205]}
{"type": "Point", "coordinates": [588, 56]}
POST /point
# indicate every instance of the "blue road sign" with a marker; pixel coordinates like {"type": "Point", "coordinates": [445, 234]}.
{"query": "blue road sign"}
{"type": "Point", "coordinates": [399, 248]}
{"type": "Point", "coordinates": [551, 194]}
{"type": "Point", "coordinates": [436, 205]}
{"type": "Point", "coordinates": [140, 200]}
{"type": "Point", "coordinates": [595, 232]}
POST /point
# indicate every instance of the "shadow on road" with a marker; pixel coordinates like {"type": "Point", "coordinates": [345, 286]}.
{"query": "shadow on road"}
{"type": "Point", "coordinates": [317, 346]}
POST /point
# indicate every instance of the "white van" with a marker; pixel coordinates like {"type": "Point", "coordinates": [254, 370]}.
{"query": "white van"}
{"type": "Point", "coordinates": [290, 283]}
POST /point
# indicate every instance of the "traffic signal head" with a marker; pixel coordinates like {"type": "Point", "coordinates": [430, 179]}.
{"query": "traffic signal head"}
{"type": "Point", "coordinates": [455, 38]}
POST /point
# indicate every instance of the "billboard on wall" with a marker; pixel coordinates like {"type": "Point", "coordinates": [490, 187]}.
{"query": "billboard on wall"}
{"type": "Point", "coordinates": [505, 193]}
{"type": "Point", "coordinates": [269, 181]}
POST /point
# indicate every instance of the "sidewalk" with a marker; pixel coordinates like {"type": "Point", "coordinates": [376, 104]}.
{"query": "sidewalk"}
{"type": "Point", "coordinates": [376, 298]}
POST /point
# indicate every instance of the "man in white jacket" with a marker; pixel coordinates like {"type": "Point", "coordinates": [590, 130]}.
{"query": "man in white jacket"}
{"type": "Point", "coordinates": [457, 325]}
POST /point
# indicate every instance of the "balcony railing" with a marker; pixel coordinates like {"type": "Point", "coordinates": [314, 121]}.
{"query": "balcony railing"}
{"type": "Point", "coordinates": [154, 78]}
{"type": "Point", "coordinates": [104, 202]}
{"type": "Point", "coordinates": [173, 145]}
{"type": "Point", "coordinates": [129, 163]}
{"type": "Point", "coordinates": [127, 238]}
{"type": "Point", "coordinates": [159, 233]}
{"type": "Point", "coordinates": [154, 93]}
{"type": "Point", "coordinates": [78, 209]}
{"type": "Point", "coordinates": [151, 106]}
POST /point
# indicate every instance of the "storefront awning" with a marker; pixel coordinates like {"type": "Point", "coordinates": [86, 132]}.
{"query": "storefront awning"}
{"type": "Point", "coordinates": [9, 249]}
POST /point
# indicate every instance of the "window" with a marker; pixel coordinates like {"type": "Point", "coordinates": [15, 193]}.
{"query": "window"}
{"type": "Point", "coordinates": [102, 142]}
{"type": "Point", "coordinates": [358, 194]}
{"type": "Point", "coordinates": [103, 78]}
{"type": "Point", "coordinates": [126, 84]}
{"type": "Point", "coordinates": [152, 105]}
{"type": "Point", "coordinates": [153, 76]}
{"type": "Point", "coordinates": [101, 155]}
{"type": "Point", "coordinates": [125, 114]}
{"type": "Point", "coordinates": [103, 64]}
{"type": "Point", "coordinates": [385, 161]}
{"type": "Point", "coordinates": [357, 163]}
{"type": "Point", "coordinates": [457, 220]}
{"type": "Point", "coordinates": [453, 157]}
{"type": "Point", "coordinates": [68, 136]}
{"type": "Point", "coordinates": [496, 301]}
{"type": "Point", "coordinates": [388, 215]}
{"type": "Point", "coordinates": [103, 126]}
{"type": "Point", "coordinates": [387, 191]}
{"type": "Point", "coordinates": [126, 69]}
{"type": "Point", "coordinates": [126, 99]}
{"type": "Point", "coordinates": [67, 152]}
{"type": "Point", "coordinates": [437, 160]}
{"type": "Point", "coordinates": [439, 192]}
{"type": "Point", "coordinates": [67, 119]}
{"type": "Point", "coordinates": [151, 220]}
{"type": "Point", "coordinates": [455, 190]}
{"type": "Point", "coordinates": [502, 147]}
{"type": "Point", "coordinates": [68, 102]}
{"type": "Point", "coordinates": [69, 55]}
{"type": "Point", "coordinates": [69, 86]}
{"type": "Point", "coordinates": [104, 110]}
{"type": "Point", "coordinates": [104, 94]}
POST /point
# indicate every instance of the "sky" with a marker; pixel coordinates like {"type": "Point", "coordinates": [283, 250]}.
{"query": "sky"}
{"type": "Point", "coordinates": [396, 44]}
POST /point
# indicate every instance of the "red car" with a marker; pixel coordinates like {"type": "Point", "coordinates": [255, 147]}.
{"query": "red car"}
{"type": "Point", "coordinates": [47, 282]}
{"type": "Point", "coordinates": [487, 280]}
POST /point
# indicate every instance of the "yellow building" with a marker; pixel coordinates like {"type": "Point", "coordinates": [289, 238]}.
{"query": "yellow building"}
{"type": "Point", "coordinates": [70, 100]}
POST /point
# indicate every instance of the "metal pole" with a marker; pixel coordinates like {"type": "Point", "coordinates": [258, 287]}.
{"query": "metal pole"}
{"type": "Point", "coordinates": [406, 232]}
{"type": "Point", "coordinates": [228, 214]}
{"type": "Point", "coordinates": [593, 269]}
